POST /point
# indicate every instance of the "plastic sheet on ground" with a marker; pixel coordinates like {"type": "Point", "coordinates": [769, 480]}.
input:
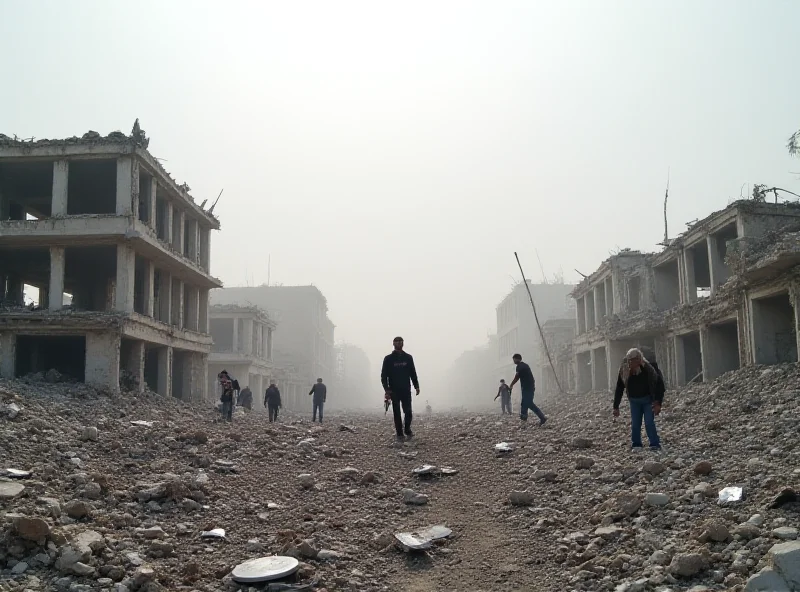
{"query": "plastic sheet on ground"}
{"type": "Point", "coordinates": [730, 495]}
{"type": "Point", "coordinates": [143, 423]}
{"type": "Point", "coordinates": [214, 533]}
{"type": "Point", "coordinates": [15, 473]}
{"type": "Point", "coordinates": [503, 447]}
{"type": "Point", "coordinates": [422, 539]}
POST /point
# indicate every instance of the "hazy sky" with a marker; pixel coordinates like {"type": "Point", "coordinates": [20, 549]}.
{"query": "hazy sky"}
{"type": "Point", "coordinates": [396, 154]}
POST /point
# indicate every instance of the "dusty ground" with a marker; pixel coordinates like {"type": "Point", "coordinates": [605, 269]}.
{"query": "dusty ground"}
{"type": "Point", "coordinates": [146, 493]}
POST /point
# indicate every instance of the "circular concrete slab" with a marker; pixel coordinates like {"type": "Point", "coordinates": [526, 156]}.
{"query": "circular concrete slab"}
{"type": "Point", "coordinates": [265, 569]}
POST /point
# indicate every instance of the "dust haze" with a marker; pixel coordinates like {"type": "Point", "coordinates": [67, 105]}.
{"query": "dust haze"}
{"type": "Point", "coordinates": [396, 155]}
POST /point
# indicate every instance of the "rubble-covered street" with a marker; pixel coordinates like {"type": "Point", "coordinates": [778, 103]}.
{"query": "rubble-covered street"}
{"type": "Point", "coordinates": [115, 505]}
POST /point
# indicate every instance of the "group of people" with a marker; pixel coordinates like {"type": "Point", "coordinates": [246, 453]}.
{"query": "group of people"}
{"type": "Point", "coordinates": [639, 377]}
{"type": "Point", "coordinates": [232, 396]}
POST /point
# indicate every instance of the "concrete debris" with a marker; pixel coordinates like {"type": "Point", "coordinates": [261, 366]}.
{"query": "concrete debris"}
{"type": "Point", "coordinates": [132, 516]}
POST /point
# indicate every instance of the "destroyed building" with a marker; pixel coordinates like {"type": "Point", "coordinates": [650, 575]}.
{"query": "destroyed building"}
{"type": "Point", "coordinates": [555, 377]}
{"type": "Point", "coordinates": [243, 339]}
{"type": "Point", "coordinates": [354, 378]}
{"type": "Point", "coordinates": [517, 331]}
{"type": "Point", "coordinates": [119, 254]}
{"type": "Point", "coordinates": [303, 338]}
{"type": "Point", "coordinates": [722, 295]}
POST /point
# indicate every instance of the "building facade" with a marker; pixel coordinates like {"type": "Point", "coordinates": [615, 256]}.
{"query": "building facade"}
{"type": "Point", "coordinates": [97, 222]}
{"type": "Point", "coordinates": [243, 338]}
{"type": "Point", "coordinates": [517, 331]}
{"type": "Point", "coordinates": [303, 339]}
{"type": "Point", "coordinates": [722, 295]}
{"type": "Point", "coordinates": [355, 387]}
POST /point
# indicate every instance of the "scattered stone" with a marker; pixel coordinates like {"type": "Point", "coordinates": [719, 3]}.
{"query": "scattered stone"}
{"type": "Point", "coordinates": [412, 497]}
{"type": "Point", "coordinates": [656, 499]}
{"type": "Point", "coordinates": [90, 433]}
{"type": "Point", "coordinates": [306, 481]}
{"type": "Point", "coordinates": [32, 529]}
{"type": "Point", "coordinates": [581, 443]}
{"type": "Point", "coordinates": [653, 467]}
{"type": "Point", "coordinates": [715, 531]}
{"type": "Point", "coordinates": [703, 468]}
{"type": "Point", "coordinates": [521, 498]}
{"type": "Point", "coordinates": [10, 490]}
{"type": "Point", "coordinates": [767, 580]}
{"type": "Point", "coordinates": [77, 509]}
{"type": "Point", "coordinates": [688, 564]}
{"type": "Point", "coordinates": [584, 462]}
{"type": "Point", "coordinates": [786, 533]}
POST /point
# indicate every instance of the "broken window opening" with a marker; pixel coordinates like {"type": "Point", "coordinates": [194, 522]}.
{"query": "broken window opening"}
{"type": "Point", "coordinates": [690, 358]}
{"type": "Point", "coordinates": [634, 293]}
{"type": "Point", "coordinates": [162, 222]}
{"type": "Point", "coordinates": [145, 193]}
{"type": "Point", "coordinates": [151, 368]}
{"type": "Point", "coordinates": [66, 354]}
{"type": "Point", "coordinates": [89, 276]}
{"type": "Point", "coordinates": [26, 189]}
{"type": "Point", "coordinates": [92, 187]}
{"type": "Point", "coordinates": [774, 333]}
{"type": "Point", "coordinates": [702, 271]}
{"type": "Point", "coordinates": [584, 361]}
{"type": "Point", "coordinates": [582, 315]}
{"type": "Point", "coordinates": [31, 295]}
{"type": "Point", "coordinates": [590, 318]}
{"type": "Point", "coordinates": [723, 349]}
{"type": "Point", "coordinates": [667, 288]}
{"type": "Point", "coordinates": [600, 369]}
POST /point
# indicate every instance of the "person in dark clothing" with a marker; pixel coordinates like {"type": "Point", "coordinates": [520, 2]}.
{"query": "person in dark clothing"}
{"type": "Point", "coordinates": [272, 401]}
{"type": "Point", "coordinates": [397, 373]}
{"type": "Point", "coordinates": [528, 387]}
{"type": "Point", "coordinates": [320, 392]}
{"type": "Point", "coordinates": [505, 397]}
{"type": "Point", "coordinates": [644, 384]}
{"type": "Point", "coordinates": [245, 399]}
{"type": "Point", "coordinates": [226, 384]}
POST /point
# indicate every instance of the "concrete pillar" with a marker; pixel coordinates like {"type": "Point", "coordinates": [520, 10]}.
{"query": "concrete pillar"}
{"type": "Point", "coordinates": [8, 356]}
{"type": "Point", "coordinates": [599, 312]}
{"type": "Point", "coordinates": [690, 281]}
{"type": "Point", "coordinates": [265, 342]}
{"type": "Point", "coordinates": [165, 297]}
{"type": "Point", "coordinates": [716, 265]}
{"type": "Point", "coordinates": [151, 208]}
{"type": "Point", "coordinates": [235, 334]}
{"type": "Point", "coordinates": [202, 314]}
{"type": "Point", "coordinates": [56, 289]}
{"type": "Point", "coordinates": [248, 337]}
{"type": "Point", "coordinates": [177, 304]}
{"type": "Point", "coordinates": [589, 318]}
{"type": "Point", "coordinates": [60, 188]}
{"type": "Point", "coordinates": [193, 376]}
{"type": "Point", "coordinates": [124, 186]}
{"type": "Point", "coordinates": [165, 371]}
{"type": "Point", "coordinates": [102, 360]}
{"type": "Point", "coordinates": [126, 271]}
{"type": "Point", "coordinates": [269, 343]}
{"type": "Point", "coordinates": [149, 288]}
{"type": "Point", "coordinates": [205, 248]}
{"type": "Point", "coordinates": [192, 239]}
{"type": "Point", "coordinates": [593, 358]}
{"type": "Point", "coordinates": [135, 363]}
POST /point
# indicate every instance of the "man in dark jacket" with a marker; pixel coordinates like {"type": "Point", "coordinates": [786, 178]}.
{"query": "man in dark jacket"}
{"type": "Point", "coordinates": [272, 401]}
{"type": "Point", "coordinates": [645, 388]}
{"type": "Point", "coordinates": [320, 392]}
{"type": "Point", "coordinates": [528, 387]}
{"type": "Point", "coordinates": [397, 373]}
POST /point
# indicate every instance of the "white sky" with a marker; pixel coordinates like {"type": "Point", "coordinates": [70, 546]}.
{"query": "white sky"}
{"type": "Point", "coordinates": [396, 154]}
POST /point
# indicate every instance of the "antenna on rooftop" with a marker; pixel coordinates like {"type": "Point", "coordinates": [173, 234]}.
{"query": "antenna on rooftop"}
{"type": "Point", "coordinates": [666, 197]}
{"type": "Point", "coordinates": [211, 209]}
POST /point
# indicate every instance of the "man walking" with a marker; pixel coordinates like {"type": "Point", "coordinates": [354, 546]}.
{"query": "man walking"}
{"type": "Point", "coordinates": [245, 399]}
{"type": "Point", "coordinates": [272, 401]}
{"type": "Point", "coordinates": [226, 384]}
{"type": "Point", "coordinates": [645, 387]}
{"type": "Point", "coordinates": [528, 387]}
{"type": "Point", "coordinates": [505, 397]}
{"type": "Point", "coordinates": [397, 373]}
{"type": "Point", "coordinates": [320, 392]}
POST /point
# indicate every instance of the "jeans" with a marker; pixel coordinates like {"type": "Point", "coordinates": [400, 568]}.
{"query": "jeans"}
{"type": "Point", "coordinates": [402, 400]}
{"type": "Point", "coordinates": [643, 407]}
{"type": "Point", "coordinates": [505, 404]}
{"type": "Point", "coordinates": [527, 403]}
{"type": "Point", "coordinates": [227, 410]}
{"type": "Point", "coordinates": [273, 413]}
{"type": "Point", "coordinates": [318, 405]}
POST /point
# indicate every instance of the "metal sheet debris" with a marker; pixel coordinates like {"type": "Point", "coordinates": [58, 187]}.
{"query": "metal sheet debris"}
{"type": "Point", "coordinates": [731, 494]}
{"type": "Point", "coordinates": [503, 447]}
{"type": "Point", "coordinates": [15, 473]}
{"type": "Point", "coordinates": [422, 539]}
{"type": "Point", "coordinates": [264, 569]}
{"type": "Point", "coordinates": [214, 533]}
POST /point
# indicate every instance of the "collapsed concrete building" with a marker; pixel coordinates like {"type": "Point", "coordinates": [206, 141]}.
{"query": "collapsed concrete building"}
{"type": "Point", "coordinates": [722, 295]}
{"type": "Point", "coordinates": [120, 256]}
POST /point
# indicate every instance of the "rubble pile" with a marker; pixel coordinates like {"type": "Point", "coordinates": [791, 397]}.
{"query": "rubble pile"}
{"type": "Point", "coordinates": [136, 493]}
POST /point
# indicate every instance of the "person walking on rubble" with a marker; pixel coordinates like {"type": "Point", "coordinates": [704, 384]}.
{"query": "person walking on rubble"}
{"type": "Point", "coordinates": [528, 387]}
{"type": "Point", "coordinates": [397, 374]}
{"type": "Point", "coordinates": [245, 399]}
{"type": "Point", "coordinates": [645, 388]}
{"type": "Point", "coordinates": [272, 401]}
{"type": "Point", "coordinates": [505, 397]}
{"type": "Point", "coordinates": [226, 384]}
{"type": "Point", "coordinates": [320, 393]}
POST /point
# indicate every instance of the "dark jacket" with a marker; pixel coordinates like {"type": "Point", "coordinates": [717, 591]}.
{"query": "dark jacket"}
{"type": "Point", "coordinates": [648, 383]}
{"type": "Point", "coordinates": [397, 371]}
{"type": "Point", "coordinates": [272, 397]}
{"type": "Point", "coordinates": [320, 392]}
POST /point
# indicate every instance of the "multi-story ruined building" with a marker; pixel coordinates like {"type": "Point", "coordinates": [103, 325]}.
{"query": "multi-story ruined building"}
{"type": "Point", "coordinates": [97, 222]}
{"type": "Point", "coordinates": [243, 338]}
{"type": "Point", "coordinates": [355, 386]}
{"type": "Point", "coordinates": [516, 326]}
{"type": "Point", "coordinates": [304, 333]}
{"type": "Point", "coordinates": [722, 295]}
